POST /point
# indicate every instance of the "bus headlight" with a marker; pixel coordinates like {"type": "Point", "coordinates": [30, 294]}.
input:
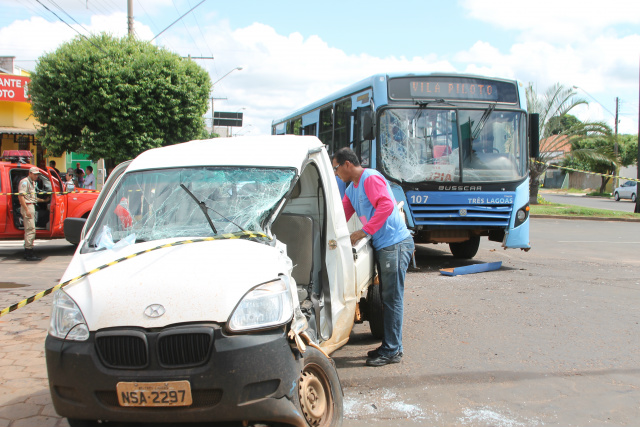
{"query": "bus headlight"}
{"type": "Point", "coordinates": [265, 306]}
{"type": "Point", "coordinates": [522, 215]}
{"type": "Point", "coordinates": [67, 321]}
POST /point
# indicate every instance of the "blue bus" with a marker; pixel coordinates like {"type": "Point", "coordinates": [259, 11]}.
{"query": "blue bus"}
{"type": "Point", "coordinates": [454, 147]}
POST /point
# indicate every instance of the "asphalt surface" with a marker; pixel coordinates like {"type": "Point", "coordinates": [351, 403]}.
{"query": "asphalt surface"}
{"type": "Point", "coordinates": [565, 198]}
{"type": "Point", "coordinates": [550, 339]}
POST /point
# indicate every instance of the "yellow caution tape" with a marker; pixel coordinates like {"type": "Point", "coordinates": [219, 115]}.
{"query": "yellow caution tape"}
{"type": "Point", "coordinates": [238, 235]}
{"type": "Point", "coordinates": [49, 192]}
{"type": "Point", "coordinates": [591, 173]}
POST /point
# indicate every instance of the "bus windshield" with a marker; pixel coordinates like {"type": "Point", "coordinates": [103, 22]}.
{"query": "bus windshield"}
{"type": "Point", "coordinates": [454, 146]}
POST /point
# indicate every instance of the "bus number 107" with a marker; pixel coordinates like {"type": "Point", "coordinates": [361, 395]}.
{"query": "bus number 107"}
{"type": "Point", "coordinates": [417, 199]}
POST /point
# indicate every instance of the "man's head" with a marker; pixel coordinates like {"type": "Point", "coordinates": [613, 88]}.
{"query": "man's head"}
{"type": "Point", "coordinates": [52, 163]}
{"type": "Point", "coordinates": [34, 173]}
{"type": "Point", "coordinates": [346, 165]}
{"type": "Point", "coordinates": [90, 169]}
{"type": "Point", "coordinates": [78, 165]}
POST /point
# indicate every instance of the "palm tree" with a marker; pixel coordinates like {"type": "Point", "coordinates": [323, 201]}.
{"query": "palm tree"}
{"type": "Point", "coordinates": [556, 103]}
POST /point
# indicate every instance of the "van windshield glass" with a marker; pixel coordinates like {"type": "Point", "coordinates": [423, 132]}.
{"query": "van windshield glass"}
{"type": "Point", "coordinates": [152, 205]}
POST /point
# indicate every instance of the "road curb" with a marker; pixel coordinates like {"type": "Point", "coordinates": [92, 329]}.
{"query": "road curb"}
{"type": "Point", "coordinates": [585, 218]}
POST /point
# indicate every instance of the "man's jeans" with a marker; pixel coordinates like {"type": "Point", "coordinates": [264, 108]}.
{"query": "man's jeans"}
{"type": "Point", "coordinates": [393, 262]}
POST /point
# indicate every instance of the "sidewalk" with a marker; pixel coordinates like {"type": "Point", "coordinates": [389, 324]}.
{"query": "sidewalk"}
{"type": "Point", "coordinates": [24, 395]}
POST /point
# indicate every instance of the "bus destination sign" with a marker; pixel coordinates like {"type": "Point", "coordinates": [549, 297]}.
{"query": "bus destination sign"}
{"type": "Point", "coordinates": [458, 88]}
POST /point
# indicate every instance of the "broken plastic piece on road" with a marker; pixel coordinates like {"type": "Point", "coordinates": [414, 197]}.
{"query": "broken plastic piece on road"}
{"type": "Point", "coordinates": [470, 269]}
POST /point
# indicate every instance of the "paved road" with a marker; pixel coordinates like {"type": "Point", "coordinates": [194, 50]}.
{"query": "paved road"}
{"type": "Point", "coordinates": [624, 205]}
{"type": "Point", "coordinates": [552, 338]}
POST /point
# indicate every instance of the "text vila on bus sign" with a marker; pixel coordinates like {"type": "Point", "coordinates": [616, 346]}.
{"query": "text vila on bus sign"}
{"type": "Point", "coordinates": [14, 88]}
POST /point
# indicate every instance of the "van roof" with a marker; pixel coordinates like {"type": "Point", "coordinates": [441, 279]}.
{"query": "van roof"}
{"type": "Point", "coordinates": [268, 150]}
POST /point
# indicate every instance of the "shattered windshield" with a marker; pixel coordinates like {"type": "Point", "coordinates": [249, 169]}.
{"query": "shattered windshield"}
{"type": "Point", "coordinates": [152, 205]}
{"type": "Point", "coordinates": [456, 146]}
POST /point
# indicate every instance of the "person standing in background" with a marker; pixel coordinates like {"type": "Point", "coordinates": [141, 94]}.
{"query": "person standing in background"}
{"type": "Point", "coordinates": [79, 175]}
{"type": "Point", "coordinates": [90, 179]}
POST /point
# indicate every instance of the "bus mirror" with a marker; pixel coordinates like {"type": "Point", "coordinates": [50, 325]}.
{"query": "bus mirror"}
{"type": "Point", "coordinates": [366, 125]}
{"type": "Point", "coordinates": [534, 135]}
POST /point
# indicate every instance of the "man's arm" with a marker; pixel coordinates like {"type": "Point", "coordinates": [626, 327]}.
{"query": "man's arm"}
{"type": "Point", "coordinates": [376, 190]}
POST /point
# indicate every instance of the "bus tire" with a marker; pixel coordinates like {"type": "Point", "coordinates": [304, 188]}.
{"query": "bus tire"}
{"type": "Point", "coordinates": [319, 394]}
{"type": "Point", "coordinates": [467, 249]}
{"type": "Point", "coordinates": [374, 311]}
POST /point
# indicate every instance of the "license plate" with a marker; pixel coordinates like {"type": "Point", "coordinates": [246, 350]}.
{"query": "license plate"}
{"type": "Point", "coordinates": [167, 393]}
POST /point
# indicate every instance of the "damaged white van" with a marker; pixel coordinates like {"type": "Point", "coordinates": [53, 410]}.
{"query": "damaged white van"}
{"type": "Point", "coordinates": [214, 278]}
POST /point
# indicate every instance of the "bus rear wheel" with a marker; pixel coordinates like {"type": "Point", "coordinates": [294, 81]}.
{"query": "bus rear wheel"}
{"type": "Point", "coordinates": [467, 249]}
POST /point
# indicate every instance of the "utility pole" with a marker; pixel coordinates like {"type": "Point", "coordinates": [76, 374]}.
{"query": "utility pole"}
{"type": "Point", "coordinates": [615, 146]}
{"type": "Point", "coordinates": [130, 18]}
{"type": "Point", "coordinates": [637, 209]}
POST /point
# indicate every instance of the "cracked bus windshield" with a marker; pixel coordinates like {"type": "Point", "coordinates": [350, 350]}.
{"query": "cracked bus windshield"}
{"type": "Point", "coordinates": [453, 146]}
{"type": "Point", "coordinates": [152, 205]}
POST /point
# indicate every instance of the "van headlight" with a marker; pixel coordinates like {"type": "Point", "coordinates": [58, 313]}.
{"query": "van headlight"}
{"type": "Point", "coordinates": [265, 306]}
{"type": "Point", "coordinates": [67, 321]}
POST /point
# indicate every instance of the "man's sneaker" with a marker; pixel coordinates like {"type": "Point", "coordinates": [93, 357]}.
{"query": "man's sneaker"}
{"type": "Point", "coordinates": [374, 353]}
{"type": "Point", "coordinates": [384, 360]}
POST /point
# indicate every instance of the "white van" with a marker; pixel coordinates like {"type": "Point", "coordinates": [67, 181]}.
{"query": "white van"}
{"type": "Point", "coordinates": [217, 277]}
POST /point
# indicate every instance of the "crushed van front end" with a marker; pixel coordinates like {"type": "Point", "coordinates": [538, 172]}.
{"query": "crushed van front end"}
{"type": "Point", "coordinates": [223, 378]}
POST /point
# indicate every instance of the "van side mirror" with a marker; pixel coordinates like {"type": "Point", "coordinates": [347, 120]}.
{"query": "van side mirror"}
{"type": "Point", "coordinates": [534, 135]}
{"type": "Point", "coordinates": [73, 229]}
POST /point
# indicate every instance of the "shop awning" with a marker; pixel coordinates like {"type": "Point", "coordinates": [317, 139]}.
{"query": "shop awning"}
{"type": "Point", "coordinates": [17, 131]}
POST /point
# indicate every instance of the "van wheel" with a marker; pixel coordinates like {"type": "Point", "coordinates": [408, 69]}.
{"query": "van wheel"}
{"type": "Point", "coordinates": [467, 249]}
{"type": "Point", "coordinates": [319, 391]}
{"type": "Point", "coordinates": [374, 311]}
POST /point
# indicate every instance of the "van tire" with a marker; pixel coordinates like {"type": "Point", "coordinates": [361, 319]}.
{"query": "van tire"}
{"type": "Point", "coordinates": [374, 311]}
{"type": "Point", "coordinates": [319, 393]}
{"type": "Point", "coordinates": [467, 249]}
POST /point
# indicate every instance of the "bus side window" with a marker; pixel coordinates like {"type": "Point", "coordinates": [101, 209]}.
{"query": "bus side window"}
{"type": "Point", "coordinates": [294, 127]}
{"type": "Point", "coordinates": [310, 129]}
{"type": "Point", "coordinates": [342, 128]}
{"type": "Point", "coordinates": [326, 127]}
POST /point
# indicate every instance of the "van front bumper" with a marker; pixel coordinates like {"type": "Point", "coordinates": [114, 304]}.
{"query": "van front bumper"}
{"type": "Point", "coordinates": [250, 377]}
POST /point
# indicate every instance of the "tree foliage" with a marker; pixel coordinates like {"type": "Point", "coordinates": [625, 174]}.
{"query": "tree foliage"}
{"type": "Point", "coordinates": [557, 127]}
{"type": "Point", "coordinates": [593, 155]}
{"type": "Point", "coordinates": [115, 98]}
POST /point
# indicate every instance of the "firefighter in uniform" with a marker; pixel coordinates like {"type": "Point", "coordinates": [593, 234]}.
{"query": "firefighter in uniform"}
{"type": "Point", "coordinates": [28, 199]}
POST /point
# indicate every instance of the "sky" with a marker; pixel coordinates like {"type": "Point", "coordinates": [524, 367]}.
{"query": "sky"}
{"type": "Point", "coordinates": [293, 52]}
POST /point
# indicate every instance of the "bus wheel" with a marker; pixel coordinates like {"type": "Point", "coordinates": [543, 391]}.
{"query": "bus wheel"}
{"type": "Point", "coordinates": [374, 311]}
{"type": "Point", "coordinates": [467, 249]}
{"type": "Point", "coordinates": [319, 391]}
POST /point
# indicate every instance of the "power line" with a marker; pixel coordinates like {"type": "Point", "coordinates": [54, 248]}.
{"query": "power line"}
{"type": "Point", "coordinates": [171, 25]}
{"type": "Point", "coordinates": [56, 15]}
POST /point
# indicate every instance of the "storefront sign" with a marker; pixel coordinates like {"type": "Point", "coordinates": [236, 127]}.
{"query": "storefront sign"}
{"type": "Point", "coordinates": [14, 88]}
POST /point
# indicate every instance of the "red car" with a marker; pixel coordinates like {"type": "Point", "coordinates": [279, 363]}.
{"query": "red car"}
{"type": "Point", "coordinates": [50, 216]}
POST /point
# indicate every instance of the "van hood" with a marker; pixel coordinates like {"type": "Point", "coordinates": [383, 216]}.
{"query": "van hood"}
{"type": "Point", "coordinates": [195, 282]}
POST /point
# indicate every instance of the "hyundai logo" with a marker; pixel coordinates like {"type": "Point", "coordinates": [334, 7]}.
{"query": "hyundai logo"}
{"type": "Point", "coordinates": [154, 310]}
{"type": "Point", "coordinates": [463, 212]}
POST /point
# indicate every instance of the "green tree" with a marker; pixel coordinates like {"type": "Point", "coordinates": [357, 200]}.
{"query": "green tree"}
{"type": "Point", "coordinates": [627, 149]}
{"type": "Point", "coordinates": [115, 98]}
{"type": "Point", "coordinates": [555, 128]}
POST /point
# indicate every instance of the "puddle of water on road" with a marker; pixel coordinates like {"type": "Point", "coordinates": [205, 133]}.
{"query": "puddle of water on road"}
{"type": "Point", "coordinates": [10, 285]}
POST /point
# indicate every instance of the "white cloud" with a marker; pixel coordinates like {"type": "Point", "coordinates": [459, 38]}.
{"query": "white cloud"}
{"type": "Point", "coordinates": [282, 73]}
{"type": "Point", "coordinates": [557, 21]}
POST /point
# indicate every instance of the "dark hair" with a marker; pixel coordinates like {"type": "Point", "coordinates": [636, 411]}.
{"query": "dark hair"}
{"type": "Point", "coordinates": [52, 163]}
{"type": "Point", "coordinates": [90, 168]}
{"type": "Point", "coordinates": [344, 154]}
